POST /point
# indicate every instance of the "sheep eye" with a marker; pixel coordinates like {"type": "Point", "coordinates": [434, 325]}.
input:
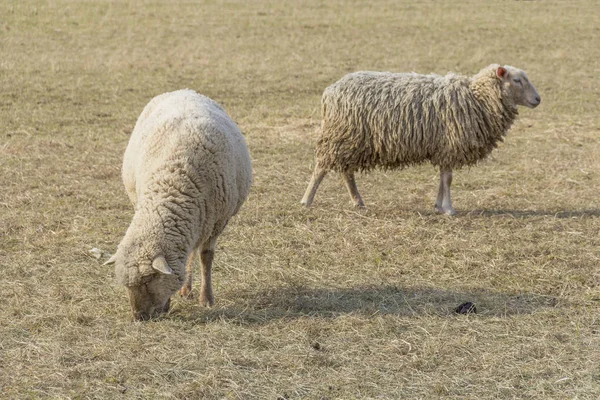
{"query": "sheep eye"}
{"type": "Point", "coordinates": [517, 80]}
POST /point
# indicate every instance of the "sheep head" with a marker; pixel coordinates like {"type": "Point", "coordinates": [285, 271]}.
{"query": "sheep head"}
{"type": "Point", "coordinates": [150, 283]}
{"type": "Point", "coordinates": [517, 86]}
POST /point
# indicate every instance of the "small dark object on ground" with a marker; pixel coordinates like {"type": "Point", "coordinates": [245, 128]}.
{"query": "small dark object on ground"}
{"type": "Point", "coordinates": [316, 345]}
{"type": "Point", "coordinates": [466, 308]}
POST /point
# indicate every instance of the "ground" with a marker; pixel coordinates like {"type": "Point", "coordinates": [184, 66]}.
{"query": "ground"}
{"type": "Point", "coordinates": [323, 303]}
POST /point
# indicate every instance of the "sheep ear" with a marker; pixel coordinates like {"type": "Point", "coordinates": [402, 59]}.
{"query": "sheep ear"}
{"type": "Point", "coordinates": [111, 260]}
{"type": "Point", "coordinates": [501, 72]}
{"type": "Point", "coordinates": [160, 264]}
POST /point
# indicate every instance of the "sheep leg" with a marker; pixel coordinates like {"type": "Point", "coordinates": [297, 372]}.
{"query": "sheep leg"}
{"type": "Point", "coordinates": [443, 203]}
{"type": "Point", "coordinates": [206, 259]}
{"type": "Point", "coordinates": [440, 195]}
{"type": "Point", "coordinates": [186, 290]}
{"type": "Point", "coordinates": [447, 202]}
{"type": "Point", "coordinates": [311, 190]}
{"type": "Point", "coordinates": [352, 189]}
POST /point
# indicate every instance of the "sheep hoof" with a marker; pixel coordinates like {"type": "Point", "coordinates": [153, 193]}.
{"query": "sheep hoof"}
{"type": "Point", "coordinates": [440, 210]}
{"type": "Point", "coordinates": [207, 301]}
{"type": "Point", "coordinates": [186, 292]}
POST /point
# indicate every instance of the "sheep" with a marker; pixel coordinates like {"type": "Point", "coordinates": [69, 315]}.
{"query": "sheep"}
{"type": "Point", "coordinates": [187, 171]}
{"type": "Point", "coordinates": [394, 120]}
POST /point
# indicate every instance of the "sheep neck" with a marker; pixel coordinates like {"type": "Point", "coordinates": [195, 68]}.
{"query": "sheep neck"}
{"type": "Point", "coordinates": [166, 226]}
{"type": "Point", "coordinates": [500, 112]}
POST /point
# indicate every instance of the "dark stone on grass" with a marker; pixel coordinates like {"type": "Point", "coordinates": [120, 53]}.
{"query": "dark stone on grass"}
{"type": "Point", "coordinates": [466, 308]}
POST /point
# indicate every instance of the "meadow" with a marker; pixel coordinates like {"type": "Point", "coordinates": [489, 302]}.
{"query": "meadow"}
{"type": "Point", "coordinates": [329, 302]}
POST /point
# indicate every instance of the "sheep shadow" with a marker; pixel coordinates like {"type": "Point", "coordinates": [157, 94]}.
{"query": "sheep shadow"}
{"type": "Point", "coordinates": [533, 213]}
{"type": "Point", "coordinates": [299, 302]}
{"type": "Point", "coordinates": [392, 211]}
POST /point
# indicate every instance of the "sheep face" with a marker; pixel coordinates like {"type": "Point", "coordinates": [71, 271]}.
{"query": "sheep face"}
{"type": "Point", "coordinates": [150, 284]}
{"type": "Point", "coordinates": [518, 87]}
{"type": "Point", "coordinates": [152, 297]}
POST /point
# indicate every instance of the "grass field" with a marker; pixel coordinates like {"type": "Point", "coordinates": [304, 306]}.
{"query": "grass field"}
{"type": "Point", "coordinates": [325, 303]}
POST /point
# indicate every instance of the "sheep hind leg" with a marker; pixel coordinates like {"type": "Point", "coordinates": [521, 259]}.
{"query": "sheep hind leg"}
{"type": "Point", "coordinates": [186, 290]}
{"type": "Point", "coordinates": [206, 259]}
{"type": "Point", "coordinates": [352, 189]}
{"type": "Point", "coordinates": [443, 203]}
{"type": "Point", "coordinates": [311, 190]}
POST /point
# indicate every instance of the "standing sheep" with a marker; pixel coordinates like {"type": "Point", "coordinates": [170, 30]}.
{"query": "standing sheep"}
{"type": "Point", "coordinates": [187, 171]}
{"type": "Point", "coordinates": [386, 120]}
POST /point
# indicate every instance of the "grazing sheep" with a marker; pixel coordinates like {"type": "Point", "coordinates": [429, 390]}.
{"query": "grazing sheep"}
{"type": "Point", "coordinates": [187, 171]}
{"type": "Point", "coordinates": [386, 120]}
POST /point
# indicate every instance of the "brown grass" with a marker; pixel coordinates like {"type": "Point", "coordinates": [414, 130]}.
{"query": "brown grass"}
{"type": "Point", "coordinates": [326, 303]}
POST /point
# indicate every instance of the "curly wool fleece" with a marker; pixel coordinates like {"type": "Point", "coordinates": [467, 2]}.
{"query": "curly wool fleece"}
{"type": "Point", "coordinates": [187, 171]}
{"type": "Point", "coordinates": [387, 120]}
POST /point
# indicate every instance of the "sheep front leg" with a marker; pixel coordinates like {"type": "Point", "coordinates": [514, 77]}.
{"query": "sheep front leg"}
{"type": "Point", "coordinates": [186, 290]}
{"type": "Point", "coordinates": [206, 259]}
{"type": "Point", "coordinates": [352, 189]}
{"type": "Point", "coordinates": [443, 203]}
{"type": "Point", "coordinates": [311, 190]}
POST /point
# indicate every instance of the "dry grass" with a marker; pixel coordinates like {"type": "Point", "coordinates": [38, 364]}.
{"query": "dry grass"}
{"type": "Point", "coordinates": [326, 303]}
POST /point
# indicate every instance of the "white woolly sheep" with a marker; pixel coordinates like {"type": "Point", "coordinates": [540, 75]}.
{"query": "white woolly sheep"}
{"type": "Point", "coordinates": [187, 171]}
{"type": "Point", "coordinates": [387, 120]}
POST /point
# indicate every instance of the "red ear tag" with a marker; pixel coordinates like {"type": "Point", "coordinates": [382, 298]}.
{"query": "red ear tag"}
{"type": "Point", "coordinates": [501, 72]}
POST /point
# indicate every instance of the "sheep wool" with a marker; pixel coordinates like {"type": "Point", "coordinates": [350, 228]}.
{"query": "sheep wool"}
{"type": "Point", "coordinates": [394, 120]}
{"type": "Point", "coordinates": [187, 171]}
